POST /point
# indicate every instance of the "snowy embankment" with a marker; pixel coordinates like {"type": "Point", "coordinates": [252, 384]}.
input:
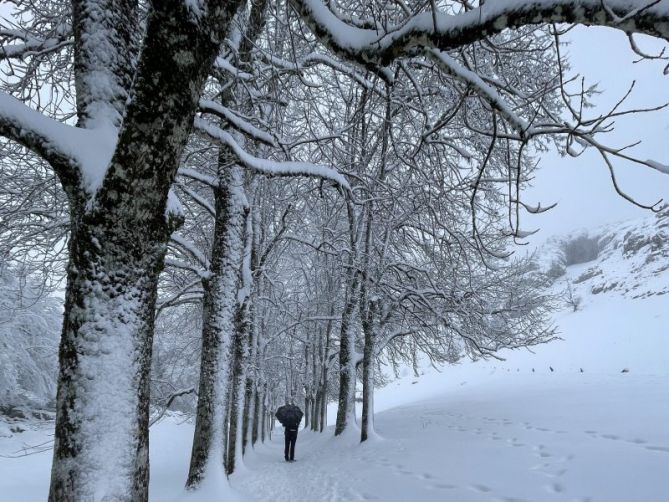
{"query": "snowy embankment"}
{"type": "Point", "coordinates": [580, 419]}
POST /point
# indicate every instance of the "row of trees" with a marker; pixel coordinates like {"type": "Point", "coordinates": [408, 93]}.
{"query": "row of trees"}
{"type": "Point", "coordinates": [150, 159]}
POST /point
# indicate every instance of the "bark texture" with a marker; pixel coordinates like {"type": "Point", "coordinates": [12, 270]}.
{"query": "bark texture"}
{"type": "Point", "coordinates": [118, 243]}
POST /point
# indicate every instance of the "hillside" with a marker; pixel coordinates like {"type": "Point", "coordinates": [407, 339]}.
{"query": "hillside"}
{"type": "Point", "coordinates": [630, 258]}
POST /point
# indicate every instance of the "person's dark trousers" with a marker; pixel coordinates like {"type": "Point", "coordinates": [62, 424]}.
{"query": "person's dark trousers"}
{"type": "Point", "coordinates": [289, 450]}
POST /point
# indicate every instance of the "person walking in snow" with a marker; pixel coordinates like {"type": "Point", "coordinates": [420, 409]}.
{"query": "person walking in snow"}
{"type": "Point", "coordinates": [290, 417]}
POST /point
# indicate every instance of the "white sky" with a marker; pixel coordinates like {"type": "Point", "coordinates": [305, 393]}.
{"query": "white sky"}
{"type": "Point", "coordinates": [582, 186]}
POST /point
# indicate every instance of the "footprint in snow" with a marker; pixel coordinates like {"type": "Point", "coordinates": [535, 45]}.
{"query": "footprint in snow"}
{"type": "Point", "coordinates": [514, 442]}
{"type": "Point", "coordinates": [481, 488]}
{"type": "Point", "coordinates": [610, 436]}
{"type": "Point", "coordinates": [540, 466]}
{"type": "Point", "coordinates": [664, 449]}
{"type": "Point", "coordinates": [555, 474]}
{"type": "Point", "coordinates": [444, 486]}
{"type": "Point", "coordinates": [554, 488]}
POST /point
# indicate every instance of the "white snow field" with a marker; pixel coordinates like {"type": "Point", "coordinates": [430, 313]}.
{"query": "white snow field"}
{"type": "Point", "coordinates": [502, 431]}
{"type": "Point", "coordinates": [485, 431]}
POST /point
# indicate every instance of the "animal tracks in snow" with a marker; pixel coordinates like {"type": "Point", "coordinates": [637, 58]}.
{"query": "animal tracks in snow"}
{"type": "Point", "coordinates": [480, 488]}
{"type": "Point", "coordinates": [633, 441]}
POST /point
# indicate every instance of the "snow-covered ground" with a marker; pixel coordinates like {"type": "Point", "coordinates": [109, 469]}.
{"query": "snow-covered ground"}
{"type": "Point", "coordinates": [588, 439]}
{"type": "Point", "coordinates": [504, 431]}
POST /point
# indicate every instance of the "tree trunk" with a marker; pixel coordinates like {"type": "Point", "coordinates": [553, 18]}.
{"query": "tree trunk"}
{"type": "Point", "coordinates": [247, 413]}
{"type": "Point", "coordinates": [323, 380]}
{"type": "Point", "coordinates": [347, 372]}
{"type": "Point", "coordinates": [324, 411]}
{"type": "Point", "coordinates": [250, 387]}
{"type": "Point", "coordinates": [118, 243]}
{"type": "Point", "coordinates": [219, 305]}
{"type": "Point", "coordinates": [102, 438]}
{"type": "Point", "coordinates": [367, 426]}
{"type": "Point", "coordinates": [263, 427]}
{"type": "Point", "coordinates": [256, 416]}
{"type": "Point", "coordinates": [307, 411]}
{"type": "Point", "coordinates": [237, 383]}
{"type": "Point", "coordinates": [315, 412]}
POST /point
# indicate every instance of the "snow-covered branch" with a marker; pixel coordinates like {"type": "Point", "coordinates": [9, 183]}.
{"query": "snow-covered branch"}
{"type": "Point", "coordinates": [76, 154]}
{"type": "Point", "coordinates": [196, 175]}
{"type": "Point", "coordinates": [201, 201]}
{"type": "Point", "coordinates": [33, 47]}
{"type": "Point", "coordinates": [191, 249]}
{"type": "Point", "coordinates": [269, 167]}
{"type": "Point", "coordinates": [436, 29]}
{"type": "Point", "coordinates": [40, 134]}
{"type": "Point", "coordinates": [171, 262]}
{"type": "Point", "coordinates": [236, 122]}
{"type": "Point", "coordinates": [450, 66]}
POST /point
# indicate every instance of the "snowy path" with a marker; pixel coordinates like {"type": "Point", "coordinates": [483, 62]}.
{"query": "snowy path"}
{"type": "Point", "coordinates": [522, 442]}
{"type": "Point", "coordinates": [500, 438]}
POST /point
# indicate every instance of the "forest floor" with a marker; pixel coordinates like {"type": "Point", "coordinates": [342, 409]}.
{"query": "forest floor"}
{"type": "Point", "coordinates": [502, 431]}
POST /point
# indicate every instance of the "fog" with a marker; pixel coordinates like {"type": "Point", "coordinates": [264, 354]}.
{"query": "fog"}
{"type": "Point", "coordinates": [582, 186]}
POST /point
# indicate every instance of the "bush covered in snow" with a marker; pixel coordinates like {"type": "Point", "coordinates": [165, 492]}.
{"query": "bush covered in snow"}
{"type": "Point", "coordinates": [580, 249]}
{"type": "Point", "coordinates": [30, 324]}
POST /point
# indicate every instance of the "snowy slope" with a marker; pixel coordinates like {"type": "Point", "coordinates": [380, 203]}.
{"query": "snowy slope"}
{"type": "Point", "coordinates": [502, 431]}
{"type": "Point", "coordinates": [630, 258]}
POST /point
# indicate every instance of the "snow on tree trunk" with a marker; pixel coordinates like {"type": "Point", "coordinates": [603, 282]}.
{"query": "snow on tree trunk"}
{"type": "Point", "coordinates": [119, 232]}
{"type": "Point", "coordinates": [101, 442]}
{"type": "Point", "coordinates": [251, 371]}
{"type": "Point", "coordinates": [307, 412]}
{"type": "Point", "coordinates": [263, 424]}
{"type": "Point", "coordinates": [255, 418]}
{"type": "Point", "coordinates": [367, 421]}
{"type": "Point", "coordinates": [219, 305]}
{"type": "Point", "coordinates": [248, 410]}
{"type": "Point", "coordinates": [347, 363]}
{"type": "Point", "coordinates": [237, 384]}
{"type": "Point", "coordinates": [103, 81]}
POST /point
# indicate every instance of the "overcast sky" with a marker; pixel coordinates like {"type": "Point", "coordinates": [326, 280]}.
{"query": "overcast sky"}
{"type": "Point", "coordinates": [582, 186]}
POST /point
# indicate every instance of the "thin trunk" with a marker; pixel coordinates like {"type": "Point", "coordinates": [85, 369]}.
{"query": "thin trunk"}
{"type": "Point", "coordinates": [247, 412]}
{"type": "Point", "coordinates": [315, 412]}
{"type": "Point", "coordinates": [249, 384]}
{"type": "Point", "coordinates": [255, 416]}
{"type": "Point", "coordinates": [369, 306]}
{"type": "Point", "coordinates": [367, 426]}
{"type": "Point", "coordinates": [237, 382]}
{"type": "Point", "coordinates": [324, 412]}
{"type": "Point", "coordinates": [263, 427]}
{"type": "Point", "coordinates": [323, 383]}
{"type": "Point", "coordinates": [347, 371]}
